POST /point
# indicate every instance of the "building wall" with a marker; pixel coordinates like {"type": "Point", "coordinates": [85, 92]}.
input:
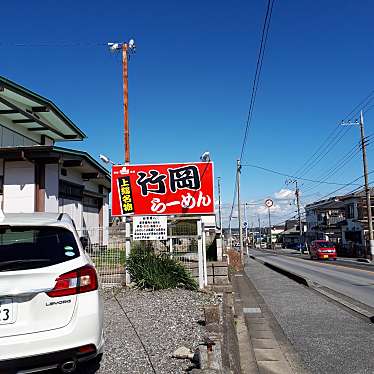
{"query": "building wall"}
{"type": "Point", "coordinates": [17, 137]}
{"type": "Point", "coordinates": [19, 187]}
{"type": "Point", "coordinates": [74, 209]}
{"type": "Point", "coordinates": [51, 188]}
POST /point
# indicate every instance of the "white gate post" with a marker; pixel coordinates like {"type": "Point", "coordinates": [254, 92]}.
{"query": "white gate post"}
{"type": "Point", "coordinates": [204, 256]}
{"type": "Point", "coordinates": [127, 248]}
{"type": "Point", "coordinates": [200, 252]}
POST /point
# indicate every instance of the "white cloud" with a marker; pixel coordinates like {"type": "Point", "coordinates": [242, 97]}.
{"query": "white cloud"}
{"type": "Point", "coordinates": [284, 194]}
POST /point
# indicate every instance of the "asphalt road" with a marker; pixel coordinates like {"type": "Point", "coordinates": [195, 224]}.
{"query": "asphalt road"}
{"type": "Point", "coordinates": [357, 284]}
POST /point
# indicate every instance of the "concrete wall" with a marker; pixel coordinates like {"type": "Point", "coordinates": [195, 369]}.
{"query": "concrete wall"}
{"type": "Point", "coordinates": [19, 187]}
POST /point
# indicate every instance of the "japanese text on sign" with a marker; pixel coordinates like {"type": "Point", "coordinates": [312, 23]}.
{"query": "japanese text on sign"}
{"type": "Point", "coordinates": [150, 228]}
{"type": "Point", "coordinates": [163, 189]}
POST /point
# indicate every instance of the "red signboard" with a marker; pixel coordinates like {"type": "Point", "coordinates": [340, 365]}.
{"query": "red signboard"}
{"type": "Point", "coordinates": [165, 189]}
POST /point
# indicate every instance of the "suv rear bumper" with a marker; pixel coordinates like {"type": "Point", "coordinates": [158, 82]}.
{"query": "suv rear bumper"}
{"type": "Point", "coordinates": [48, 361]}
{"type": "Point", "coordinates": [86, 327]}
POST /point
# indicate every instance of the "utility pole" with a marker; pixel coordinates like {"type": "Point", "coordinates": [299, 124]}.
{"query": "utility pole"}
{"type": "Point", "coordinates": [238, 171]}
{"type": "Point", "coordinates": [367, 188]}
{"type": "Point", "coordinates": [246, 227]}
{"type": "Point", "coordinates": [126, 48]}
{"type": "Point", "coordinates": [125, 78]}
{"type": "Point", "coordinates": [297, 193]}
{"type": "Point", "coordinates": [259, 229]}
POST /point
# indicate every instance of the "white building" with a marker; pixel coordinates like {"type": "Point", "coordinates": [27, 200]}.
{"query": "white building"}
{"type": "Point", "coordinates": [36, 175]}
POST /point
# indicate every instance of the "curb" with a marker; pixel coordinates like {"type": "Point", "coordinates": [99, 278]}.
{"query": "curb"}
{"type": "Point", "coordinates": [333, 295]}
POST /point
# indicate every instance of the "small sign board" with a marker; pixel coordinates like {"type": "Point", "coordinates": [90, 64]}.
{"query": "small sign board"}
{"type": "Point", "coordinates": [150, 227]}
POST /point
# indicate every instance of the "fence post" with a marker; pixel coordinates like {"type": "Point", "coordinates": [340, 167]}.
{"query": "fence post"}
{"type": "Point", "coordinates": [127, 248]}
{"type": "Point", "coordinates": [200, 252]}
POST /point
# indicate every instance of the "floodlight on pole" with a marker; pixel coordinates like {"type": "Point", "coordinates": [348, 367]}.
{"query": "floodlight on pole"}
{"type": "Point", "coordinates": [106, 159]}
{"type": "Point", "coordinates": [127, 48]}
{"type": "Point", "coordinates": [205, 157]}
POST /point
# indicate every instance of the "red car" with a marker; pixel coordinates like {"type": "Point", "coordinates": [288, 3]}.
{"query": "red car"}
{"type": "Point", "coordinates": [322, 250]}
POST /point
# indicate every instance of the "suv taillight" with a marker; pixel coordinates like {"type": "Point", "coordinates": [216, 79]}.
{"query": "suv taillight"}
{"type": "Point", "coordinates": [77, 281]}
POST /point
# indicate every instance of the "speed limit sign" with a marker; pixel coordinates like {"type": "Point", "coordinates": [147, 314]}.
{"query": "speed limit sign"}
{"type": "Point", "coordinates": [269, 203]}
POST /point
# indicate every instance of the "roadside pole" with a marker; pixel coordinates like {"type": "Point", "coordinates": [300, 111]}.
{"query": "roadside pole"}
{"type": "Point", "coordinates": [238, 171]}
{"type": "Point", "coordinates": [246, 227]}
{"type": "Point", "coordinates": [219, 206]}
{"type": "Point", "coordinates": [269, 203]}
{"type": "Point", "coordinates": [259, 229]}
{"type": "Point", "coordinates": [367, 187]}
{"type": "Point", "coordinates": [269, 228]}
{"type": "Point", "coordinates": [297, 193]}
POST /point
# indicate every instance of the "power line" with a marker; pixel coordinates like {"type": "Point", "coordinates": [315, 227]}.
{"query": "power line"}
{"type": "Point", "coordinates": [291, 176]}
{"type": "Point", "coordinates": [55, 44]}
{"type": "Point", "coordinates": [259, 63]}
{"type": "Point", "coordinates": [260, 57]}
{"type": "Point", "coordinates": [331, 140]}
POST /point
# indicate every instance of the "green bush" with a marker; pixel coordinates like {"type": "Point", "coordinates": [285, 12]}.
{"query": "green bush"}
{"type": "Point", "coordinates": [158, 271]}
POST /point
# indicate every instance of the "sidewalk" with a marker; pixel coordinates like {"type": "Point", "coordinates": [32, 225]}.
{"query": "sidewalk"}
{"type": "Point", "coordinates": [262, 349]}
{"type": "Point", "coordinates": [326, 337]}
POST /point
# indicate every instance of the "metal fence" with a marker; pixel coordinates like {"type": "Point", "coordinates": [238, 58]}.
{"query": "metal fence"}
{"type": "Point", "coordinates": [106, 246]}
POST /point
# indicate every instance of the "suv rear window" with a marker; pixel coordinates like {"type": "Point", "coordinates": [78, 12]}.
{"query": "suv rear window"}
{"type": "Point", "coordinates": [25, 247]}
{"type": "Point", "coordinates": [325, 245]}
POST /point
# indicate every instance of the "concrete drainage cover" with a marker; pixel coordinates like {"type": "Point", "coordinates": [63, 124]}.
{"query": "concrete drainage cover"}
{"type": "Point", "coordinates": [251, 310]}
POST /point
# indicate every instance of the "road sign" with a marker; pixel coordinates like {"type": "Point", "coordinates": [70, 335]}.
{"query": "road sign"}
{"type": "Point", "coordinates": [269, 203]}
{"type": "Point", "coordinates": [245, 224]}
{"type": "Point", "coordinates": [163, 189]}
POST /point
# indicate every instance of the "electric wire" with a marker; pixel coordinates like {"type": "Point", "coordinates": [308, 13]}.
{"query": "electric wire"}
{"type": "Point", "coordinates": [291, 176]}
{"type": "Point", "coordinates": [259, 63]}
{"type": "Point", "coordinates": [332, 140]}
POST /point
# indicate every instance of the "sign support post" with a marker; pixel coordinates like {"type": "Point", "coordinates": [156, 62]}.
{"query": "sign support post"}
{"type": "Point", "coordinates": [200, 252]}
{"type": "Point", "coordinates": [127, 249]}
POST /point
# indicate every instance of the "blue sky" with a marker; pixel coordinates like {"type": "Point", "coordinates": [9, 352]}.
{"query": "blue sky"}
{"type": "Point", "coordinates": [191, 77]}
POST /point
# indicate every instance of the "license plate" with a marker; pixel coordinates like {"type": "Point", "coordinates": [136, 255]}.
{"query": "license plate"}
{"type": "Point", "coordinates": [325, 256]}
{"type": "Point", "coordinates": [6, 311]}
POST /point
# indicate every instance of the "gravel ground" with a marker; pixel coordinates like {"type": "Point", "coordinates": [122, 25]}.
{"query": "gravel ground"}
{"type": "Point", "coordinates": [165, 320]}
{"type": "Point", "coordinates": [328, 338]}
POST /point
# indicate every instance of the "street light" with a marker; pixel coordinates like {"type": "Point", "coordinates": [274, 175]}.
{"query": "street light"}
{"type": "Point", "coordinates": [106, 159]}
{"type": "Point", "coordinates": [205, 157]}
{"type": "Point", "coordinates": [127, 49]}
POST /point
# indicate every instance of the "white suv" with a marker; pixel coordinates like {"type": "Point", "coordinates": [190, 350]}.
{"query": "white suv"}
{"type": "Point", "coordinates": [51, 314]}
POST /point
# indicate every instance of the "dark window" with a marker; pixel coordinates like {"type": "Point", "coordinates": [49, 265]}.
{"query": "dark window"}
{"type": "Point", "coordinates": [71, 191]}
{"type": "Point", "coordinates": [325, 244]}
{"type": "Point", "coordinates": [92, 202]}
{"type": "Point", "coordinates": [350, 211]}
{"type": "Point", "coordinates": [24, 247]}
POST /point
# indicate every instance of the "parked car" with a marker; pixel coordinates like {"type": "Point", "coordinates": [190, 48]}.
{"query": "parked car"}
{"type": "Point", "coordinates": [51, 314]}
{"type": "Point", "coordinates": [322, 250]}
